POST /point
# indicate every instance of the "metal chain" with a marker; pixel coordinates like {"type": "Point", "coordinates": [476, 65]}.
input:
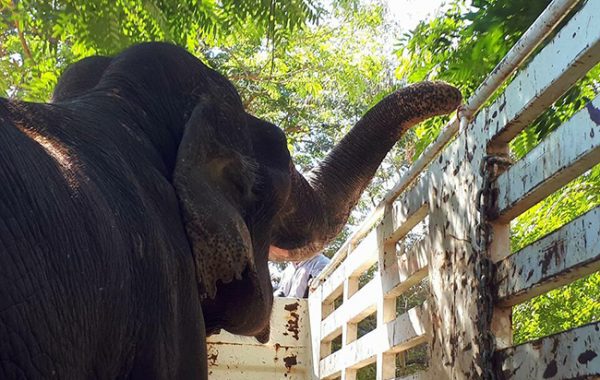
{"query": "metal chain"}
{"type": "Point", "coordinates": [484, 267]}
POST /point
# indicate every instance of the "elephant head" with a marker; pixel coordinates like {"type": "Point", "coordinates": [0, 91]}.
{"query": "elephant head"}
{"type": "Point", "coordinates": [242, 201]}
{"type": "Point", "coordinates": [80, 77]}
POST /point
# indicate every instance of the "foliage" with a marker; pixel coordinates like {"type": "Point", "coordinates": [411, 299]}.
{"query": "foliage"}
{"type": "Point", "coordinates": [462, 46]}
{"type": "Point", "coordinates": [315, 85]}
{"type": "Point", "coordinates": [39, 36]}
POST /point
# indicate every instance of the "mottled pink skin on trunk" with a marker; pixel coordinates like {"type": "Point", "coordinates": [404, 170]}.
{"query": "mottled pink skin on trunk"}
{"type": "Point", "coordinates": [320, 203]}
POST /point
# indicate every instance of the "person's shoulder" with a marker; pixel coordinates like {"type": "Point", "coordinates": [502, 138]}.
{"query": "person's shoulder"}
{"type": "Point", "coordinates": [323, 259]}
{"type": "Point", "coordinates": [318, 258]}
{"type": "Point", "coordinates": [317, 264]}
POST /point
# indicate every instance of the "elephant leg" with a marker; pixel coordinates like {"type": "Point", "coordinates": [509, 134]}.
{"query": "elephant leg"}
{"type": "Point", "coordinates": [186, 360]}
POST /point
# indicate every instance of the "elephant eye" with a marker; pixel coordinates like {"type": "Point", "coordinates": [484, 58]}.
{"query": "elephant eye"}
{"type": "Point", "coordinates": [240, 186]}
{"type": "Point", "coordinates": [241, 179]}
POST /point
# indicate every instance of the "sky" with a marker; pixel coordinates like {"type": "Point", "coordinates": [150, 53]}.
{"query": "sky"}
{"type": "Point", "coordinates": [408, 13]}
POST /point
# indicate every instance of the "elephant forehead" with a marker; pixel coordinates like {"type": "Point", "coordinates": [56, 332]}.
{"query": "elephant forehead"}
{"type": "Point", "coordinates": [269, 143]}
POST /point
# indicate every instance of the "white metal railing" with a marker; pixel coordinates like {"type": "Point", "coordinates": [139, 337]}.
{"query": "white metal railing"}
{"type": "Point", "coordinates": [443, 187]}
{"type": "Point", "coordinates": [531, 39]}
{"type": "Point", "coordinates": [287, 355]}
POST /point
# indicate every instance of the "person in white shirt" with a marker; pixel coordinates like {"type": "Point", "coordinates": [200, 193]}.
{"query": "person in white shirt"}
{"type": "Point", "coordinates": [297, 275]}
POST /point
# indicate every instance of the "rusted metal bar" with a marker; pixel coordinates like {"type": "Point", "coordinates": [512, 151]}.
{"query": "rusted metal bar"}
{"type": "Point", "coordinates": [571, 252]}
{"type": "Point", "coordinates": [574, 354]}
{"type": "Point", "coordinates": [565, 154]}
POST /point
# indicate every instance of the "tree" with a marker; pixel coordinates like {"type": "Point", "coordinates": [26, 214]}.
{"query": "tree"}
{"type": "Point", "coordinates": [39, 36]}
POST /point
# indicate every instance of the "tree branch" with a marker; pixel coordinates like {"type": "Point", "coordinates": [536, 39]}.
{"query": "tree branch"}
{"type": "Point", "coordinates": [22, 35]}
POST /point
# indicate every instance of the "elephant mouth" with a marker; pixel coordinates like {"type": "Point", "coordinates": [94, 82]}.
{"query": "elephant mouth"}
{"type": "Point", "coordinates": [213, 328]}
{"type": "Point", "coordinates": [264, 336]}
{"type": "Point", "coordinates": [240, 307]}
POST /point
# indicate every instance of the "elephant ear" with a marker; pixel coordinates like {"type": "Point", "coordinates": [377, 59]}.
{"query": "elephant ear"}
{"type": "Point", "coordinates": [213, 178]}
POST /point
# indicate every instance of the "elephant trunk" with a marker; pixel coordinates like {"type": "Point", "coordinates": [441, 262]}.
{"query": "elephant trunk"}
{"type": "Point", "coordinates": [319, 205]}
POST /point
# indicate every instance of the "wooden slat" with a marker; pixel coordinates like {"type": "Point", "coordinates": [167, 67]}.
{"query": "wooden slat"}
{"type": "Point", "coordinates": [567, 58]}
{"type": "Point", "coordinates": [315, 308]}
{"type": "Point", "coordinates": [386, 366]}
{"type": "Point", "coordinates": [456, 343]}
{"type": "Point", "coordinates": [406, 331]}
{"type": "Point", "coordinates": [566, 153]}
{"type": "Point", "coordinates": [574, 354]}
{"type": "Point", "coordinates": [359, 306]}
{"type": "Point", "coordinates": [409, 210]}
{"type": "Point", "coordinates": [569, 253]}
{"type": "Point", "coordinates": [363, 256]}
{"type": "Point", "coordinates": [286, 355]}
{"type": "Point", "coordinates": [332, 288]}
{"type": "Point", "coordinates": [331, 366]}
{"type": "Point", "coordinates": [410, 268]}
{"type": "Point", "coordinates": [385, 363]}
{"type": "Point", "coordinates": [349, 330]}
{"type": "Point", "coordinates": [421, 375]}
{"type": "Point", "coordinates": [331, 327]}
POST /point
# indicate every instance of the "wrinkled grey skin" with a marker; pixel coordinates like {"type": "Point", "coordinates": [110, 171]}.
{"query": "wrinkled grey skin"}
{"type": "Point", "coordinates": [241, 200]}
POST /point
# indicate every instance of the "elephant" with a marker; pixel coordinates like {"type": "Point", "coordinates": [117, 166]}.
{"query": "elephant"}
{"type": "Point", "coordinates": [80, 77]}
{"type": "Point", "coordinates": [139, 208]}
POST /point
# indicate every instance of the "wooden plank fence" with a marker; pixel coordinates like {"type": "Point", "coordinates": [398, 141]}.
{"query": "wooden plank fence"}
{"type": "Point", "coordinates": [465, 324]}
